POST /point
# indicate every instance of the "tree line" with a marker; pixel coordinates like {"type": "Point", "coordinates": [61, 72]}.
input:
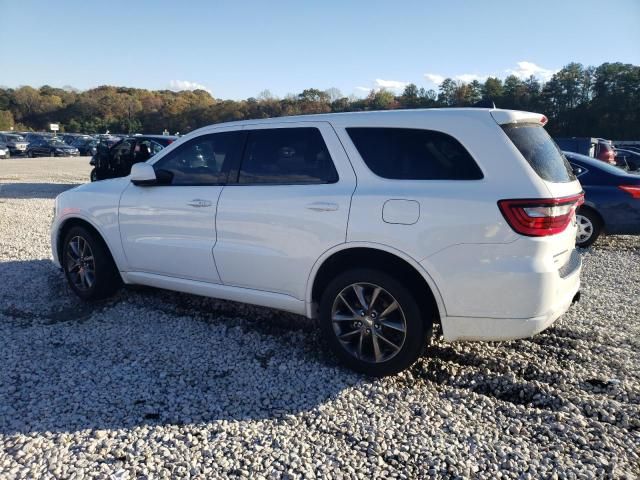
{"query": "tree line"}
{"type": "Point", "coordinates": [601, 101]}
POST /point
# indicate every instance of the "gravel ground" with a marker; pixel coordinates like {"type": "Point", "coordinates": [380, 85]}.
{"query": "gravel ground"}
{"type": "Point", "coordinates": [154, 384]}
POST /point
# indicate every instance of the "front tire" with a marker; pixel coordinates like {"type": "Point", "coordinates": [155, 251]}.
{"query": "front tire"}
{"type": "Point", "coordinates": [589, 227]}
{"type": "Point", "coordinates": [372, 322]}
{"type": "Point", "coordinates": [88, 266]}
{"type": "Point", "coordinates": [94, 175]}
{"type": "Point", "coordinates": [30, 154]}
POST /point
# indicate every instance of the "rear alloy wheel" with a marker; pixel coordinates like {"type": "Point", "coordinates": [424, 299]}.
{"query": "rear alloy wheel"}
{"type": "Point", "coordinates": [88, 265]}
{"type": "Point", "coordinates": [589, 227]}
{"type": "Point", "coordinates": [372, 322]}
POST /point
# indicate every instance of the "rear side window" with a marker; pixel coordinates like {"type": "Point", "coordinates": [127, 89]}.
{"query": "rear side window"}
{"type": "Point", "coordinates": [412, 154]}
{"type": "Point", "coordinates": [286, 156]}
{"type": "Point", "coordinates": [542, 153]}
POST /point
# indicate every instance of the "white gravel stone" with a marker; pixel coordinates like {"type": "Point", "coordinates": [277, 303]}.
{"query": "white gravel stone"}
{"type": "Point", "coordinates": [155, 384]}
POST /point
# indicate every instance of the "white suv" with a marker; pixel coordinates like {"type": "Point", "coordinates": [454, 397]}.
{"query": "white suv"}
{"type": "Point", "coordinates": [380, 224]}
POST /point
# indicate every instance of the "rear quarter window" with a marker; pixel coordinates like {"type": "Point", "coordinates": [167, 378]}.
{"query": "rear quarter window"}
{"type": "Point", "coordinates": [540, 151]}
{"type": "Point", "coordinates": [413, 154]}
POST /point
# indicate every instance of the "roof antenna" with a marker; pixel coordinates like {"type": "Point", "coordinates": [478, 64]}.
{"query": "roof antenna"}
{"type": "Point", "coordinates": [485, 103]}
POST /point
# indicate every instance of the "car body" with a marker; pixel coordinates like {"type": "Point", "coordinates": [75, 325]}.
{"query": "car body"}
{"type": "Point", "coordinates": [117, 159]}
{"type": "Point", "coordinates": [50, 147]}
{"type": "Point", "coordinates": [70, 138]}
{"type": "Point", "coordinates": [16, 144]}
{"type": "Point", "coordinates": [598, 148]}
{"type": "Point", "coordinates": [86, 145]}
{"type": "Point", "coordinates": [32, 136]}
{"type": "Point", "coordinates": [612, 199]}
{"type": "Point", "coordinates": [464, 217]}
{"type": "Point", "coordinates": [4, 150]}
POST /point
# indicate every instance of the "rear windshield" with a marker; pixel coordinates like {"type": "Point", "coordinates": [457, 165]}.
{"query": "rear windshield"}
{"type": "Point", "coordinates": [542, 153]}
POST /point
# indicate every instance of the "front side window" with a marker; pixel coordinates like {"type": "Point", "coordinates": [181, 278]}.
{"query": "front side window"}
{"type": "Point", "coordinates": [203, 160]}
{"type": "Point", "coordinates": [413, 154]}
{"type": "Point", "coordinates": [286, 156]}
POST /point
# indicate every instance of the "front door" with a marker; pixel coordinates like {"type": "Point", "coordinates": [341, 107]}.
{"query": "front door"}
{"type": "Point", "coordinates": [170, 229]}
{"type": "Point", "coordinates": [289, 205]}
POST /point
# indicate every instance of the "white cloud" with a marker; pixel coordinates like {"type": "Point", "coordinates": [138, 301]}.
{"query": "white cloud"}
{"type": "Point", "coordinates": [434, 78]}
{"type": "Point", "coordinates": [363, 89]}
{"type": "Point", "coordinates": [178, 85]}
{"type": "Point", "coordinates": [390, 84]}
{"type": "Point", "coordinates": [470, 77]}
{"type": "Point", "coordinates": [526, 69]}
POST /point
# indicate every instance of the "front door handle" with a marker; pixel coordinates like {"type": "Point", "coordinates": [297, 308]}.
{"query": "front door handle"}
{"type": "Point", "coordinates": [322, 206]}
{"type": "Point", "coordinates": [199, 203]}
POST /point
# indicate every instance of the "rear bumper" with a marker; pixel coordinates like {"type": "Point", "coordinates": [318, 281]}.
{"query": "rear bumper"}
{"type": "Point", "coordinates": [477, 328]}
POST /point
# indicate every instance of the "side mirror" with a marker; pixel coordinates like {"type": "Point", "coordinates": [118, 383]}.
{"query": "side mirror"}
{"type": "Point", "coordinates": [143, 174]}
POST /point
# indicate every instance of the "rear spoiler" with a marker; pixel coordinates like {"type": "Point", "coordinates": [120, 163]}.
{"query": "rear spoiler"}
{"type": "Point", "coordinates": [503, 117]}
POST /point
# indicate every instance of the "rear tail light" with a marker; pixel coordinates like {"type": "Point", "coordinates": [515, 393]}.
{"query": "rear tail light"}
{"type": "Point", "coordinates": [633, 190]}
{"type": "Point", "coordinates": [540, 217]}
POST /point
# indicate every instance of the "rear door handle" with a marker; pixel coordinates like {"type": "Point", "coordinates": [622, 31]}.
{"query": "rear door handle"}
{"type": "Point", "coordinates": [322, 206]}
{"type": "Point", "coordinates": [199, 203]}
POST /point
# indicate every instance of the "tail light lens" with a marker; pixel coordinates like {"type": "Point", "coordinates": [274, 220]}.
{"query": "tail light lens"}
{"type": "Point", "coordinates": [633, 190]}
{"type": "Point", "coordinates": [540, 217]}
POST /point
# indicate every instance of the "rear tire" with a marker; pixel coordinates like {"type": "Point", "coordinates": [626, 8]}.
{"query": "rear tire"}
{"type": "Point", "coordinates": [377, 339]}
{"type": "Point", "coordinates": [93, 175]}
{"type": "Point", "coordinates": [88, 266]}
{"type": "Point", "coordinates": [589, 227]}
{"type": "Point", "coordinates": [30, 154]}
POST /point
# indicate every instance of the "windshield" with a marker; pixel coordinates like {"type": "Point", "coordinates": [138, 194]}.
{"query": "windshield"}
{"type": "Point", "coordinates": [57, 142]}
{"type": "Point", "coordinates": [542, 153]}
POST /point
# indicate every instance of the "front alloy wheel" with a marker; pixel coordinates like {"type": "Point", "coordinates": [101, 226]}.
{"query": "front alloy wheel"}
{"type": "Point", "coordinates": [81, 265]}
{"type": "Point", "coordinates": [87, 264]}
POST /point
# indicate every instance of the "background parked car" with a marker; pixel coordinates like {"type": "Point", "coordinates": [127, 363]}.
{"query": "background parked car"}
{"type": "Point", "coordinates": [116, 161]}
{"type": "Point", "coordinates": [593, 147]}
{"type": "Point", "coordinates": [50, 147]}
{"type": "Point", "coordinates": [4, 150]}
{"type": "Point", "coordinates": [85, 145]}
{"type": "Point", "coordinates": [70, 138]}
{"type": "Point", "coordinates": [16, 144]}
{"type": "Point", "coordinates": [612, 199]}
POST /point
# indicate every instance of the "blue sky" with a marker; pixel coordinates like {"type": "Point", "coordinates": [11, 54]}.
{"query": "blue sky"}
{"type": "Point", "coordinates": [236, 49]}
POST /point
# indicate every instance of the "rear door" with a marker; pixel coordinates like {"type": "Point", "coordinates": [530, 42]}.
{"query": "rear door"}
{"type": "Point", "coordinates": [290, 204]}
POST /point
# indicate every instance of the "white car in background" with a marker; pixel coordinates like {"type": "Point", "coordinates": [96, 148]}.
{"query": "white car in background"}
{"type": "Point", "coordinates": [378, 223]}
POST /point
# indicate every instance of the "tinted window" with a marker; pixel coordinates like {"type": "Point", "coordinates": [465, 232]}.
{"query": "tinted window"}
{"type": "Point", "coordinates": [203, 160]}
{"type": "Point", "coordinates": [122, 149]}
{"type": "Point", "coordinates": [542, 153]}
{"type": "Point", "coordinates": [287, 156]}
{"type": "Point", "coordinates": [412, 154]}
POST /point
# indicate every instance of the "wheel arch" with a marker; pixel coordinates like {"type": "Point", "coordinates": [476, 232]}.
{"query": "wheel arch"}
{"type": "Point", "coordinates": [71, 222]}
{"type": "Point", "coordinates": [361, 254]}
{"type": "Point", "coordinates": [592, 208]}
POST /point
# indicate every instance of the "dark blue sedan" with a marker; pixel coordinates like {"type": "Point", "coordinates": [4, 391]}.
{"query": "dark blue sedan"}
{"type": "Point", "coordinates": [612, 199]}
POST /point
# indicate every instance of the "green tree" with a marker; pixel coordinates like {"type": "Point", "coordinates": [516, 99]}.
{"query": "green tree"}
{"type": "Point", "coordinates": [6, 120]}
